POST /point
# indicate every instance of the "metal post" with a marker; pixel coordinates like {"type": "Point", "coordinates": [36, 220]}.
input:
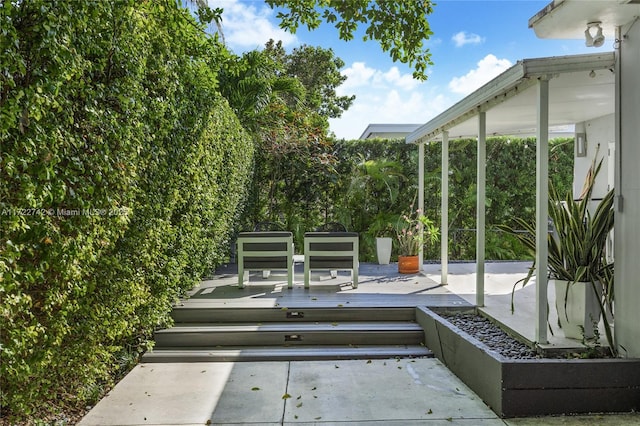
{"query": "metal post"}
{"type": "Point", "coordinates": [542, 209]}
{"type": "Point", "coordinates": [444, 210]}
{"type": "Point", "coordinates": [421, 198]}
{"type": "Point", "coordinates": [480, 206]}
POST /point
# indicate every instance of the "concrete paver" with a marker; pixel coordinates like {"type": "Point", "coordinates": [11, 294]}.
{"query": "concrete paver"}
{"type": "Point", "coordinates": [162, 393]}
{"type": "Point", "coordinates": [184, 394]}
{"type": "Point", "coordinates": [253, 394]}
{"type": "Point", "coordinates": [379, 390]}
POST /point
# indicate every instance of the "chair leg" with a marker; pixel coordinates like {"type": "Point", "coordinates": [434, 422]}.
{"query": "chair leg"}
{"type": "Point", "coordinates": [240, 275]}
{"type": "Point", "coordinates": [307, 274]}
{"type": "Point", "coordinates": [354, 276]}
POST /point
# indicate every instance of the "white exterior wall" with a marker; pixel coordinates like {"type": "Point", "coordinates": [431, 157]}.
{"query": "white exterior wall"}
{"type": "Point", "coordinates": [600, 137]}
{"type": "Point", "coordinates": [627, 239]}
{"type": "Point", "coordinates": [600, 131]}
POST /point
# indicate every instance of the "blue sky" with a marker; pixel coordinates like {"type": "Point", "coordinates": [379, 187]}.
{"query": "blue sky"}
{"type": "Point", "coordinates": [473, 42]}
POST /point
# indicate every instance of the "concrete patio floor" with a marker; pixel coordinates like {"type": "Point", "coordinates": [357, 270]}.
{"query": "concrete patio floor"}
{"type": "Point", "coordinates": [359, 392]}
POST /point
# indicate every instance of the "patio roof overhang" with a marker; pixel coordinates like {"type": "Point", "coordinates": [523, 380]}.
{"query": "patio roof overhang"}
{"type": "Point", "coordinates": [376, 130]}
{"type": "Point", "coordinates": [530, 97]}
{"type": "Point", "coordinates": [576, 94]}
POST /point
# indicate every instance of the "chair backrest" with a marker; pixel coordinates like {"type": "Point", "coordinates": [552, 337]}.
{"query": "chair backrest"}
{"type": "Point", "coordinates": [331, 227]}
{"type": "Point", "coordinates": [267, 226]}
{"type": "Point", "coordinates": [331, 250]}
{"type": "Point", "coordinates": [270, 249]}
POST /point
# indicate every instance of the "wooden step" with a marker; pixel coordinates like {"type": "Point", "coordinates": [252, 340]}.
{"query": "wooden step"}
{"type": "Point", "coordinates": [296, 333]}
{"type": "Point", "coordinates": [298, 353]}
{"type": "Point", "coordinates": [194, 314]}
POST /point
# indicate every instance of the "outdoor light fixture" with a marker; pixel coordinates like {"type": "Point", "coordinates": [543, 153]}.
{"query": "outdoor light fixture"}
{"type": "Point", "coordinates": [581, 144]}
{"type": "Point", "coordinates": [591, 41]}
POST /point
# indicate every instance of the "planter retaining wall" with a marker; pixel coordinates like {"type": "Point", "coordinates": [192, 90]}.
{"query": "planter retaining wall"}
{"type": "Point", "coordinates": [525, 387]}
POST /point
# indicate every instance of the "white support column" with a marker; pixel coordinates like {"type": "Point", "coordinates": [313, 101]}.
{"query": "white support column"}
{"type": "Point", "coordinates": [542, 209]}
{"type": "Point", "coordinates": [444, 210]}
{"type": "Point", "coordinates": [480, 206]}
{"type": "Point", "coordinates": [421, 197]}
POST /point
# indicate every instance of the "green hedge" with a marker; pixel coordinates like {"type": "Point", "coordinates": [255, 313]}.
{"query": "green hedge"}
{"type": "Point", "coordinates": [370, 183]}
{"type": "Point", "coordinates": [510, 189]}
{"type": "Point", "coordinates": [122, 171]}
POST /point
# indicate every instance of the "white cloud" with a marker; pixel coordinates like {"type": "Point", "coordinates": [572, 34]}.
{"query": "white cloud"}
{"type": "Point", "coordinates": [404, 81]}
{"type": "Point", "coordinates": [462, 38]}
{"type": "Point", "coordinates": [434, 41]}
{"type": "Point", "coordinates": [359, 75]}
{"type": "Point", "coordinates": [246, 25]}
{"type": "Point", "coordinates": [384, 97]}
{"type": "Point", "coordinates": [488, 68]}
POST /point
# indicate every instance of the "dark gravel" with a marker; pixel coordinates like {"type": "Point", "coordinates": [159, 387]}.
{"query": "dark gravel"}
{"type": "Point", "coordinates": [491, 335]}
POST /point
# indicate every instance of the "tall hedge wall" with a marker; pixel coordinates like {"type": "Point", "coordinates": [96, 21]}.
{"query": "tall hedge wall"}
{"type": "Point", "coordinates": [510, 188]}
{"type": "Point", "coordinates": [370, 183]}
{"type": "Point", "coordinates": [121, 173]}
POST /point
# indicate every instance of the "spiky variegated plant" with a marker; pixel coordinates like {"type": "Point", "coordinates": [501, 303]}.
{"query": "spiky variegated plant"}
{"type": "Point", "coordinates": [577, 245]}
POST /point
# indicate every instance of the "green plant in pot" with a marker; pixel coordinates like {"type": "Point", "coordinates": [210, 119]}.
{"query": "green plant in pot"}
{"type": "Point", "coordinates": [410, 239]}
{"type": "Point", "coordinates": [577, 260]}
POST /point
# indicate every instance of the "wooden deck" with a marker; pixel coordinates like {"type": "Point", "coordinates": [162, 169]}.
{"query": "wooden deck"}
{"type": "Point", "coordinates": [265, 320]}
{"type": "Point", "coordinates": [217, 307]}
{"type": "Point", "coordinates": [379, 286]}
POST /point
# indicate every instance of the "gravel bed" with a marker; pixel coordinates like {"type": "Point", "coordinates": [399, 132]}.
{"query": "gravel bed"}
{"type": "Point", "coordinates": [491, 335]}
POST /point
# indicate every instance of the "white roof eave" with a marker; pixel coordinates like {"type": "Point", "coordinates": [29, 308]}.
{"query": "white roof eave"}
{"type": "Point", "coordinates": [507, 85]}
{"type": "Point", "coordinates": [568, 19]}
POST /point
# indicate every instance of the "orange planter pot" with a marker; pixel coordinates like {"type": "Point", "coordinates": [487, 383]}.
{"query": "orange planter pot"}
{"type": "Point", "coordinates": [408, 264]}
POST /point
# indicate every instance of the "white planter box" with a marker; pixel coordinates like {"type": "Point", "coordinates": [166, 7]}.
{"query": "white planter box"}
{"type": "Point", "coordinates": [581, 314]}
{"type": "Point", "coordinates": [383, 249]}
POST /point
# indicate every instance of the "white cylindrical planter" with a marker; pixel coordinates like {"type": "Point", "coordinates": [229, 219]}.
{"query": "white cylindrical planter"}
{"type": "Point", "coordinates": [383, 249]}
